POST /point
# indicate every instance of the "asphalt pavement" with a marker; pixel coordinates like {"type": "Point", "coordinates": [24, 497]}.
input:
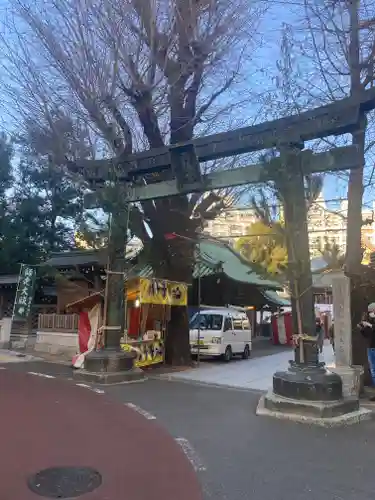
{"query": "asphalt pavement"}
{"type": "Point", "coordinates": [238, 455]}
{"type": "Point", "coordinates": [102, 449]}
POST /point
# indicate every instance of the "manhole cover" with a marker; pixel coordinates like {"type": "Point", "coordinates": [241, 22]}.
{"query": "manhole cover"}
{"type": "Point", "coordinates": [64, 482]}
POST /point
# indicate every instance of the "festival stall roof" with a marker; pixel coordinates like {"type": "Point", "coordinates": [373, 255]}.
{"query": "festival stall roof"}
{"type": "Point", "coordinates": [85, 303]}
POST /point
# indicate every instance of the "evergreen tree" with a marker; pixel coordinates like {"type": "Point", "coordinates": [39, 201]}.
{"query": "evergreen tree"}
{"type": "Point", "coordinates": [41, 211]}
{"type": "Point", "coordinates": [6, 180]}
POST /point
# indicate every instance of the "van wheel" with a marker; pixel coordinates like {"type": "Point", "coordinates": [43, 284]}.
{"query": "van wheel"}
{"type": "Point", "coordinates": [228, 354]}
{"type": "Point", "coordinates": [246, 352]}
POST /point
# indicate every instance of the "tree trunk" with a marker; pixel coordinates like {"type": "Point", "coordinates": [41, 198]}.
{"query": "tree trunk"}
{"type": "Point", "coordinates": [354, 254]}
{"type": "Point", "coordinates": [177, 344]}
{"type": "Point", "coordinates": [174, 260]}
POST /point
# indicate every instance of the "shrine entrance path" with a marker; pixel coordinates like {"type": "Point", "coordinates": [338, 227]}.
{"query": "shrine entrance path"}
{"type": "Point", "coordinates": [252, 374]}
{"type": "Point", "coordinates": [53, 423]}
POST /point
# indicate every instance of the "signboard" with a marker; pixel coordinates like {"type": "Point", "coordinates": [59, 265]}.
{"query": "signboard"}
{"type": "Point", "coordinates": [165, 292]}
{"type": "Point", "coordinates": [25, 292]}
{"type": "Point", "coordinates": [148, 353]}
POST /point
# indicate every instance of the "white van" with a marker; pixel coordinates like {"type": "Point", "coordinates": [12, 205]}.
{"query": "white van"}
{"type": "Point", "coordinates": [223, 332]}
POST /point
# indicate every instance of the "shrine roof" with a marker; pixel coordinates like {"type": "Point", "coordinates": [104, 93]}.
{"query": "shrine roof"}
{"type": "Point", "coordinates": [213, 257]}
{"type": "Point", "coordinates": [275, 299]}
{"type": "Point", "coordinates": [216, 256]}
{"type": "Point", "coordinates": [8, 279]}
{"type": "Point", "coordinates": [74, 258]}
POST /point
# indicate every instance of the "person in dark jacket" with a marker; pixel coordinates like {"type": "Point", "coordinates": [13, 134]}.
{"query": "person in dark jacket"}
{"type": "Point", "coordinates": [320, 333]}
{"type": "Point", "coordinates": [367, 329]}
{"type": "Point", "coordinates": [331, 334]}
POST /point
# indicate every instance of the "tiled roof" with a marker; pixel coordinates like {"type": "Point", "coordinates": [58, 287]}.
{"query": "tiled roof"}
{"type": "Point", "coordinates": [74, 258]}
{"type": "Point", "coordinates": [220, 257]}
{"type": "Point", "coordinates": [211, 256]}
{"type": "Point", "coordinates": [8, 279]}
{"type": "Point", "coordinates": [214, 257]}
{"type": "Point", "coordinates": [275, 298]}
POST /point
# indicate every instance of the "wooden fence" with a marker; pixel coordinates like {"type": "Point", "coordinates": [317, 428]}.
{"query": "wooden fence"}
{"type": "Point", "coordinates": [58, 322]}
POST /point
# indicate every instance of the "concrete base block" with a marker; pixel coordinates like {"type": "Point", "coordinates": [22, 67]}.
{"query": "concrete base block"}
{"type": "Point", "coordinates": [5, 331]}
{"type": "Point", "coordinates": [18, 341]}
{"type": "Point", "coordinates": [56, 343]}
{"type": "Point", "coordinates": [330, 414]}
{"type": "Point", "coordinates": [110, 378]}
{"type": "Point", "coordinates": [351, 379]}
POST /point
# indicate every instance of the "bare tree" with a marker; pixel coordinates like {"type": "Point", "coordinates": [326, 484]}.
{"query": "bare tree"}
{"type": "Point", "coordinates": [141, 73]}
{"type": "Point", "coordinates": [334, 61]}
{"type": "Point", "coordinates": [337, 60]}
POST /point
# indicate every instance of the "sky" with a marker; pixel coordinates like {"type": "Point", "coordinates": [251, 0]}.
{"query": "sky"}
{"type": "Point", "coordinates": [283, 11]}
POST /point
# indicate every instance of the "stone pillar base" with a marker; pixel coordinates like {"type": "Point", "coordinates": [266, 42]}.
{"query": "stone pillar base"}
{"type": "Point", "coordinates": [322, 413]}
{"type": "Point", "coordinates": [351, 377]}
{"type": "Point", "coordinates": [110, 378]}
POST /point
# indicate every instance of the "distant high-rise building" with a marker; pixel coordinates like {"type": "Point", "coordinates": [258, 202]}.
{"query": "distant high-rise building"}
{"type": "Point", "coordinates": [231, 224]}
{"type": "Point", "coordinates": [323, 224]}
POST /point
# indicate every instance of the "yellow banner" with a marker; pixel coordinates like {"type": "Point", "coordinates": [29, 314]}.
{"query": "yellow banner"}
{"type": "Point", "coordinates": [170, 293]}
{"type": "Point", "coordinates": [147, 353]}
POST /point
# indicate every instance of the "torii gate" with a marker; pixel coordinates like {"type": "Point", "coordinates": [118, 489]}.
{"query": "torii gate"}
{"type": "Point", "coordinates": [180, 163]}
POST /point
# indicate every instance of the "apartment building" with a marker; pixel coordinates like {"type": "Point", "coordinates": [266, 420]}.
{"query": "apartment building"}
{"type": "Point", "coordinates": [323, 222]}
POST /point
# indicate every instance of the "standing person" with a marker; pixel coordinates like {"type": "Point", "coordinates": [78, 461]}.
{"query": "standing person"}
{"type": "Point", "coordinates": [320, 333]}
{"type": "Point", "coordinates": [367, 329]}
{"type": "Point", "coordinates": [331, 334]}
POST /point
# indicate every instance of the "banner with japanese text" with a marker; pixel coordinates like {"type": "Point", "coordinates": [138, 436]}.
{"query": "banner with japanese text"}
{"type": "Point", "coordinates": [25, 292]}
{"type": "Point", "coordinates": [153, 291]}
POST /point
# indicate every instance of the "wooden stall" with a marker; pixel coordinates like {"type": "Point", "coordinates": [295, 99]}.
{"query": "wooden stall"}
{"type": "Point", "coordinates": [149, 303]}
{"type": "Point", "coordinates": [148, 307]}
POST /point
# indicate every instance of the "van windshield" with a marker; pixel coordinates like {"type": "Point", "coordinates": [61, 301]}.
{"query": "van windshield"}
{"type": "Point", "coordinates": [206, 321]}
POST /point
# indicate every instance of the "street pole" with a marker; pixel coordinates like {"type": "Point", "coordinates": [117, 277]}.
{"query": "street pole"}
{"type": "Point", "coordinates": [199, 303]}
{"type": "Point", "coordinates": [125, 316]}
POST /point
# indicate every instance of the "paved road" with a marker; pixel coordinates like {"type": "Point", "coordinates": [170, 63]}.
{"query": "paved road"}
{"type": "Point", "coordinates": [255, 457]}
{"type": "Point", "coordinates": [49, 422]}
{"type": "Point", "coordinates": [240, 456]}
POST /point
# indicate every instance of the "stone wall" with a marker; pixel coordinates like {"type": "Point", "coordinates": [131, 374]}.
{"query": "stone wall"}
{"type": "Point", "coordinates": [56, 343]}
{"type": "Point", "coordinates": [5, 329]}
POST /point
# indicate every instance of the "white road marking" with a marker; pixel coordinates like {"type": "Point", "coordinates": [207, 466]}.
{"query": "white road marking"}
{"type": "Point", "coordinates": [98, 391]}
{"type": "Point", "coordinates": [41, 375]}
{"type": "Point", "coordinates": [191, 454]}
{"type": "Point", "coordinates": [142, 412]}
{"type": "Point", "coordinates": [94, 389]}
{"type": "Point", "coordinates": [2, 368]}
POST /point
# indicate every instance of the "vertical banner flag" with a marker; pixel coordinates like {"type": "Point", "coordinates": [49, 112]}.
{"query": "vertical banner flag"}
{"type": "Point", "coordinates": [25, 292]}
